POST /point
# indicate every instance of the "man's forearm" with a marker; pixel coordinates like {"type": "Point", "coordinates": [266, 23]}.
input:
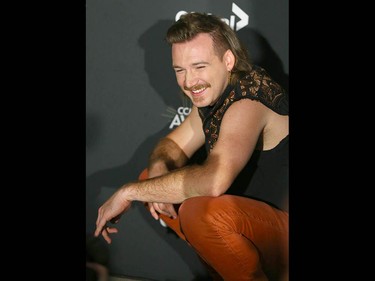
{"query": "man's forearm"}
{"type": "Point", "coordinates": [170, 181]}
{"type": "Point", "coordinates": [166, 156]}
{"type": "Point", "coordinates": [207, 179]}
{"type": "Point", "coordinates": [173, 187]}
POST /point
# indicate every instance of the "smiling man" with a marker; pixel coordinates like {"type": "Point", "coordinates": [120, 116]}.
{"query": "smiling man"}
{"type": "Point", "coordinates": [231, 208]}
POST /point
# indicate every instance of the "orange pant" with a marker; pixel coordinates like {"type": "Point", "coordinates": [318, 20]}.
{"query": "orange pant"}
{"type": "Point", "coordinates": [237, 237]}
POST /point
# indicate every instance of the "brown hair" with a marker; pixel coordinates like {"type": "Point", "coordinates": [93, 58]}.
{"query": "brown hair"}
{"type": "Point", "coordinates": [191, 24]}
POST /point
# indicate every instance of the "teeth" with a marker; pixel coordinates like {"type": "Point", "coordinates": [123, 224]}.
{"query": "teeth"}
{"type": "Point", "coordinates": [198, 90]}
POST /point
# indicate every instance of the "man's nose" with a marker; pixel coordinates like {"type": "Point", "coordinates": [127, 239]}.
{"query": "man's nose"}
{"type": "Point", "coordinates": [190, 79]}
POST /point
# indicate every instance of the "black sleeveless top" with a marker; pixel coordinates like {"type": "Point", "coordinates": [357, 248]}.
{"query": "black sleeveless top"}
{"type": "Point", "coordinates": [266, 176]}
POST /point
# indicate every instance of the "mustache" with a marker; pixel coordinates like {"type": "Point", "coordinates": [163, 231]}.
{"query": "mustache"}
{"type": "Point", "coordinates": [197, 87]}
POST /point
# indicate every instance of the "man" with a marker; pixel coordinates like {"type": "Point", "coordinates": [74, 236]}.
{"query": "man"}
{"type": "Point", "coordinates": [231, 208]}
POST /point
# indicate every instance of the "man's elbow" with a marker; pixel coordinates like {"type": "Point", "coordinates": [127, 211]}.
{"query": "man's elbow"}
{"type": "Point", "coordinates": [219, 187]}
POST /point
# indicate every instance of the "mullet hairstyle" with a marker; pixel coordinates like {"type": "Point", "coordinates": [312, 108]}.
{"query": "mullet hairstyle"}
{"type": "Point", "coordinates": [191, 24]}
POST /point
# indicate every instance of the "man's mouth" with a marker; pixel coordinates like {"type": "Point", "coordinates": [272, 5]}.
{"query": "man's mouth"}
{"type": "Point", "coordinates": [197, 89]}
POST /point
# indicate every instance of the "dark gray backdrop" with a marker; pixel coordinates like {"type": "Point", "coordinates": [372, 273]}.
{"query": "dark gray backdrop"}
{"type": "Point", "coordinates": [132, 100]}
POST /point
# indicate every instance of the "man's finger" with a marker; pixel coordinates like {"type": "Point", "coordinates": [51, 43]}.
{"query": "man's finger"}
{"type": "Point", "coordinates": [154, 214]}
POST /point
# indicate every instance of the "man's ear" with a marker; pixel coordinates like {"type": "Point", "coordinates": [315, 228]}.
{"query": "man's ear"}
{"type": "Point", "coordinates": [229, 59]}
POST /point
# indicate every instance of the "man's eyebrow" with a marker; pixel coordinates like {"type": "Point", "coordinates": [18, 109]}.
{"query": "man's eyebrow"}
{"type": "Point", "coordinates": [193, 64]}
{"type": "Point", "coordinates": [200, 62]}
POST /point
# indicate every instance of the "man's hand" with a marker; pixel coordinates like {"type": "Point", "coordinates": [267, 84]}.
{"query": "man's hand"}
{"type": "Point", "coordinates": [158, 208]}
{"type": "Point", "coordinates": [111, 211]}
{"type": "Point", "coordinates": [162, 208]}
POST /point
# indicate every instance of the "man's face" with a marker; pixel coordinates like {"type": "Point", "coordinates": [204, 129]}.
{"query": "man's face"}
{"type": "Point", "coordinates": [200, 73]}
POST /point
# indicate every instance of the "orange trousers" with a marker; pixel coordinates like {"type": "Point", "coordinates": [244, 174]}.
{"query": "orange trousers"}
{"type": "Point", "coordinates": [236, 237]}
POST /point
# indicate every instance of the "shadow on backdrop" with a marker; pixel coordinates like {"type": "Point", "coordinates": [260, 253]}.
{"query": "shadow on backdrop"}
{"type": "Point", "coordinates": [262, 54]}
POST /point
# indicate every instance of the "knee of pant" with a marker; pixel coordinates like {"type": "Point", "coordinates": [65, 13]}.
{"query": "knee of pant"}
{"type": "Point", "coordinates": [198, 213]}
{"type": "Point", "coordinates": [191, 209]}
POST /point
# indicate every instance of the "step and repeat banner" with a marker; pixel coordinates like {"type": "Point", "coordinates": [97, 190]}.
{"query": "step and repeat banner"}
{"type": "Point", "coordinates": [132, 100]}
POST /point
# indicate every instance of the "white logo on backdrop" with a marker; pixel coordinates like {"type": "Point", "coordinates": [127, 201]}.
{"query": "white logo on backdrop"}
{"type": "Point", "coordinates": [244, 18]}
{"type": "Point", "coordinates": [178, 116]}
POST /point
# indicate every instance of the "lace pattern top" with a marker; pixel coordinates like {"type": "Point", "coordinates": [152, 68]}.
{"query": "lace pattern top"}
{"type": "Point", "coordinates": [257, 85]}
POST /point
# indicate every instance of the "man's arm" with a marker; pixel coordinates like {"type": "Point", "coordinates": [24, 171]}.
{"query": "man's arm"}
{"type": "Point", "coordinates": [240, 129]}
{"type": "Point", "coordinates": [165, 157]}
{"type": "Point", "coordinates": [177, 147]}
{"type": "Point", "coordinates": [168, 156]}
